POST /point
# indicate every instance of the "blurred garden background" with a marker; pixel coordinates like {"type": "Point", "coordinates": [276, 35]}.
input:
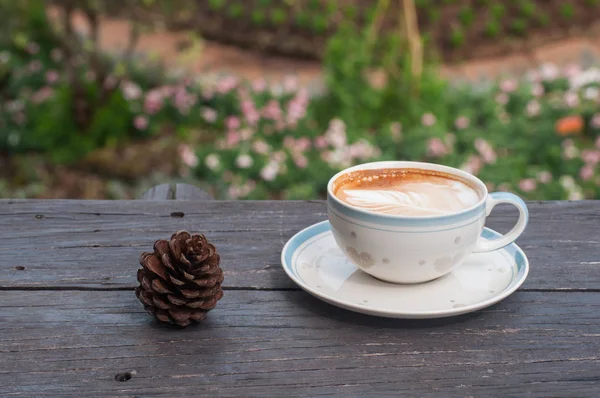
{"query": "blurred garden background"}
{"type": "Point", "coordinates": [257, 99]}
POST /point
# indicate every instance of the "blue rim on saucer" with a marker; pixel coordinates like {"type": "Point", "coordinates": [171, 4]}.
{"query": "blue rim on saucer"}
{"type": "Point", "coordinates": [314, 262]}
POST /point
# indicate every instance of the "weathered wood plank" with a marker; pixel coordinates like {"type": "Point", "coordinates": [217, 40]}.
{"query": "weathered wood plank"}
{"type": "Point", "coordinates": [264, 343]}
{"type": "Point", "coordinates": [96, 244]}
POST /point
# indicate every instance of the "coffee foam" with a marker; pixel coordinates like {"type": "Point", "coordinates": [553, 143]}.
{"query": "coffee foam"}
{"type": "Point", "coordinates": [406, 192]}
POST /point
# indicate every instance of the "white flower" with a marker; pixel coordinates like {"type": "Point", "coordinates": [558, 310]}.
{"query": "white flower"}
{"type": "Point", "coordinates": [591, 93]}
{"type": "Point", "coordinates": [549, 71]}
{"type": "Point", "coordinates": [590, 76]}
{"type": "Point", "coordinates": [270, 171]}
{"type": "Point", "coordinates": [533, 108]}
{"type": "Point", "coordinates": [4, 57]}
{"type": "Point", "coordinates": [336, 133]}
{"type": "Point", "coordinates": [131, 91]}
{"type": "Point", "coordinates": [576, 195]}
{"type": "Point", "coordinates": [212, 161]}
{"type": "Point", "coordinates": [244, 161]}
{"type": "Point", "coordinates": [188, 156]}
{"type": "Point", "coordinates": [567, 182]}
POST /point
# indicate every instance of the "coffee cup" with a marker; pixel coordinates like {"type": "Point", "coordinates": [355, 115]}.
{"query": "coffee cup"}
{"type": "Point", "coordinates": [413, 222]}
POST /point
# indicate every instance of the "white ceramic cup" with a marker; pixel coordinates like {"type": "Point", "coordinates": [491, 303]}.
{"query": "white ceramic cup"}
{"type": "Point", "coordinates": [416, 249]}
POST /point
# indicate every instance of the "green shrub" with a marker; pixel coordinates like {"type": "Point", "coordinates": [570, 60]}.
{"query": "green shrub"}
{"type": "Point", "coordinates": [567, 10]}
{"type": "Point", "coordinates": [492, 29]}
{"type": "Point", "coordinates": [457, 37]}
{"type": "Point", "coordinates": [466, 16]}
{"type": "Point", "coordinates": [278, 16]}
{"type": "Point", "coordinates": [216, 4]}
{"type": "Point", "coordinates": [518, 26]}
{"type": "Point", "coordinates": [258, 17]}
{"type": "Point", "coordinates": [527, 9]}
{"type": "Point", "coordinates": [235, 10]}
{"type": "Point", "coordinates": [497, 11]}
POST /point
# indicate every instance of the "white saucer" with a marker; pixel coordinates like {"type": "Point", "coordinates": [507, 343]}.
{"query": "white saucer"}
{"type": "Point", "coordinates": [312, 259]}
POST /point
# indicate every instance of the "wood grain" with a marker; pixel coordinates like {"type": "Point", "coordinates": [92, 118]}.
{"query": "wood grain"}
{"type": "Point", "coordinates": [261, 343]}
{"type": "Point", "coordinates": [96, 244]}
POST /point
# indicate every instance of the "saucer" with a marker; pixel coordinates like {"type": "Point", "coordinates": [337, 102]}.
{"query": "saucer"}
{"type": "Point", "coordinates": [312, 259]}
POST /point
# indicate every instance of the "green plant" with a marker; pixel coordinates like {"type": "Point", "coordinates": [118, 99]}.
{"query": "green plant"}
{"type": "Point", "coordinates": [457, 37]}
{"type": "Point", "coordinates": [527, 8]}
{"type": "Point", "coordinates": [518, 26]}
{"type": "Point", "coordinates": [303, 20]}
{"type": "Point", "coordinates": [319, 24]}
{"type": "Point", "coordinates": [592, 3]}
{"type": "Point", "coordinates": [235, 10]}
{"type": "Point", "coordinates": [278, 16]}
{"type": "Point", "coordinates": [216, 4]}
{"type": "Point", "coordinates": [264, 3]}
{"type": "Point", "coordinates": [492, 29]}
{"type": "Point", "coordinates": [543, 19]}
{"type": "Point", "coordinates": [497, 11]}
{"type": "Point", "coordinates": [466, 16]}
{"type": "Point", "coordinates": [258, 17]}
{"type": "Point", "coordinates": [350, 11]}
{"type": "Point", "coordinates": [567, 10]}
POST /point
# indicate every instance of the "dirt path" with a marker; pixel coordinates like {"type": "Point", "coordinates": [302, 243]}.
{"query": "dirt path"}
{"type": "Point", "coordinates": [209, 58]}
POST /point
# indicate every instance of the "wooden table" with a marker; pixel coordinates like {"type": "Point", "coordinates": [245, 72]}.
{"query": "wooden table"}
{"type": "Point", "coordinates": [71, 324]}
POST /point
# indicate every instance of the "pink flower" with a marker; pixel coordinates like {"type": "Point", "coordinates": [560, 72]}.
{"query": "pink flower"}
{"type": "Point", "coordinates": [187, 155]}
{"type": "Point", "coordinates": [321, 142]}
{"type": "Point", "coordinates": [153, 102]}
{"type": "Point", "coordinates": [396, 131]}
{"type": "Point", "coordinates": [19, 118]}
{"type": "Point", "coordinates": [261, 147]}
{"type": "Point", "coordinates": [595, 122]}
{"type": "Point", "coordinates": [428, 119]}
{"type": "Point", "coordinates": [527, 185]}
{"type": "Point", "coordinates": [272, 110]}
{"type": "Point", "coordinates": [533, 108]}
{"type": "Point", "coordinates": [227, 84]}
{"type": "Point", "coordinates": [590, 156]}
{"type": "Point", "coordinates": [140, 122]}
{"type": "Point", "coordinates": [42, 95]}
{"type": "Point", "coordinates": [246, 134]}
{"type": "Point", "coordinates": [301, 161]}
{"type": "Point", "coordinates": [436, 147]}
{"type": "Point", "coordinates": [586, 172]}
{"type": "Point", "coordinates": [234, 192]}
{"type": "Point", "coordinates": [110, 82]}
{"type": "Point", "coordinates": [485, 150]}
{"type": "Point", "coordinates": [303, 144]}
{"type": "Point", "coordinates": [544, 177]}
{"type": "Point", "coordinates": [131, 91]}
{"type": "Point", "coordinates": [244, 161]}
{"type": "Point", "coordinates": [232, 139]}
{"type": "Point", "coordinates": [184, 101]}
{"type": "Point", "coordinates": [462, 122]}
{"type": "Point", "coordinates": [52, 76]}
{"type": "Point", "coordinates": [34, 66]}
{"type": "Point", "coordinates": [288, 142]}
{"type": "Point", "coordinates": [259, 85]}
{"type": "Point", "coordinates": [232, 123]}
{"type": "Point", "coordinates": [209, 115]}
{"type": "Point", "coordinates": [508, 85]}
{"type": "Point", "coordinates": [502, 98]}
{"type": "Point", "coordinates": [336, 133]}
{"type": "Point", "coordinates": [571, 71]}
{"type": "Point", "coordinates": [571, 99]}
{"type": "Point", "coordinates": [290, 84]}
{"type": "Point", "coordinates": [473, 165]}
{"type": "Point", "coordinates": [56, 55]}
{"type": "Point", "coordinates": [250, 112]}
{"type": "Point", "coordinates": [33, 48]}
{"type": "Point", "coordinates": [537, 90]}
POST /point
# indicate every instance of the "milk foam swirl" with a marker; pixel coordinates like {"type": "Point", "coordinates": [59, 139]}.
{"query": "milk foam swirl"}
{"type": "Point", "coordinates": [413, 198]}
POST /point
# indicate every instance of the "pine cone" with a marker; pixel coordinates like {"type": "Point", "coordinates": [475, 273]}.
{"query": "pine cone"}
{"type": "Point", "coordinates": [181, 281]}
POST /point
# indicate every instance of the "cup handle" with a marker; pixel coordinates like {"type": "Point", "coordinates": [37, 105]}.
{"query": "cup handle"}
{"type": "Point", "coordinates": [493, 200]}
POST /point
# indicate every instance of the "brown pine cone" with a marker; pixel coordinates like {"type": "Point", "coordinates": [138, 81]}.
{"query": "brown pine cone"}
{"type": "Point", "coordinates": [181, 280]}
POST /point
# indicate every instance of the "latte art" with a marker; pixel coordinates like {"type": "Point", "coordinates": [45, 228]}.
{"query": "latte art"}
{"type": "Point", "coordinates": [409, 194]}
